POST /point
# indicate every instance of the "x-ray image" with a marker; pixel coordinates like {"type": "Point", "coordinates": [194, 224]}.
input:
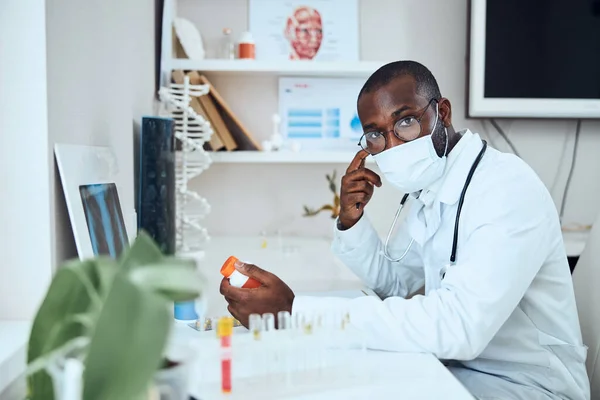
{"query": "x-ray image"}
{"type": "Point", "coordinates": [104, 218]}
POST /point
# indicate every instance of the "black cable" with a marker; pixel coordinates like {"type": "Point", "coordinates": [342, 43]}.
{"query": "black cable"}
{"type": "Point", "coordinates": [571, 169]}
{"type": "Point", "coordinates": [505, 137]}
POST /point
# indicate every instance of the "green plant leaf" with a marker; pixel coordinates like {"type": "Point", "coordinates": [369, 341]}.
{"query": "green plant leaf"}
{"type": "Point", "coordinates": [128, 344]}
{"type": "Point", "coordinates": [177, 282]}
{"type": "Point", "coordinates": [106, 269]}
{"type": "Point", "coordinates": [42, 362]}
{"type": "Point", "coordinates": [143, 251]}
{"type": "Point", "coordinates": [53, 326]}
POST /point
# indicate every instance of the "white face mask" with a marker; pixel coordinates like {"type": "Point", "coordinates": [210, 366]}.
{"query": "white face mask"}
{"type": "Point", "coordinates": [412, 166]}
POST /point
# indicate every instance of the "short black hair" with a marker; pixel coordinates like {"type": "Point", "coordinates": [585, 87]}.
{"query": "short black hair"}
{"type": "Point", "coordinates": [427, 86]}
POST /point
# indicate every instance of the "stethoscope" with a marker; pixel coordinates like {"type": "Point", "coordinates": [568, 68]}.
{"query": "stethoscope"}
{"type": "Point", "coordinates": [460, 204]}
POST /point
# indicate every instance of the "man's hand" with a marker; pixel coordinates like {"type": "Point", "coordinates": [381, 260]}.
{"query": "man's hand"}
{"type": "Point", "coordinates": [357, 189]}
{"type": "Point", "coordinates": [273, 296]}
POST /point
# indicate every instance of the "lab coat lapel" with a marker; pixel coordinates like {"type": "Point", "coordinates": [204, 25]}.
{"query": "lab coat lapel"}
{"type": "Point", "coordinates": [430, 214]}
{"type": "Point", "coordinates": [425, 217]}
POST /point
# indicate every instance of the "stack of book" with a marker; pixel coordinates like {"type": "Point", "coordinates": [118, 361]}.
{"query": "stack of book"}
{"type": "Point", "coordinates": [229, 133]}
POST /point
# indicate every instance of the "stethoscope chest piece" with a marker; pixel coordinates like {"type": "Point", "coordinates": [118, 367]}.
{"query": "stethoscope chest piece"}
{"type": "Point", "coordinates": [444, 269]}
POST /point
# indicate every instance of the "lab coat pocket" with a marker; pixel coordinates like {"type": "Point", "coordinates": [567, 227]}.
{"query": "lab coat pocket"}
{"type": "Point", "coordinates": [563, 350]}
{"type": "Point", "coordinates": [567, 361]}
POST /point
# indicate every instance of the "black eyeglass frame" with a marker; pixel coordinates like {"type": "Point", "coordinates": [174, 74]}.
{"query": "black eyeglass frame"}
{"type": "Point", "coordinates": [384, 134]}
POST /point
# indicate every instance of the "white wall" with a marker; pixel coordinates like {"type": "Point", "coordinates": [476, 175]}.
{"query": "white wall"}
{"type": "Point", "coordinates": [249, 198]}
{"type": "Point", "coordinates": [70, 72]}
{"type": "Point", "coordinates": [100, 83]}
{"type": "Point", "coordinates": [25, 249]}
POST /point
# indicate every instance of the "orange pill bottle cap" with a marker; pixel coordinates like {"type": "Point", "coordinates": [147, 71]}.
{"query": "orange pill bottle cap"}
{"type": "Point", "coordinates": [228, 267]}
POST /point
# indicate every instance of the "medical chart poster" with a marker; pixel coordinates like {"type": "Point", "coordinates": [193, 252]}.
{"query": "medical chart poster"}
{"type": "Point", "coordinates": [320, 113]}
{"type": "Point", "coordinates": [321, 30]}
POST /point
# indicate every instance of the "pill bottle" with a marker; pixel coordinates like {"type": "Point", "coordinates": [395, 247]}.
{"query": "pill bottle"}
{"type": "Point", "coordinates": [246, 46]}
{"type": "Point", "coordinates": [236, 278]}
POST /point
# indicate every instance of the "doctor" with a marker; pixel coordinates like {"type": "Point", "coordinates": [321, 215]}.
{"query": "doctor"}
{"type": "Point", "coordinates": [482, 236]}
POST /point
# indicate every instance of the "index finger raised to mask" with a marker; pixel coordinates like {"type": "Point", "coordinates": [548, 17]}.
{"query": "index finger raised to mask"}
{"type": "Point", "coordinates": [358, 161]}
{"type": "Point", "coordinates": [363, 174]}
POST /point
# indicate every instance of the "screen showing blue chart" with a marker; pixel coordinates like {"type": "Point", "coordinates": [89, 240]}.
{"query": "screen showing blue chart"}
{"type": "Point", "coordinates": [104, 218]}
{"type": "Point", "coordinates": [320, 112]}
{"type": "Point", "coordinates": [313, 123]}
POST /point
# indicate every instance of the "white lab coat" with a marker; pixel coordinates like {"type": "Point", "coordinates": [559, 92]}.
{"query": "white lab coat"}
{"type": "Point", "coordinates": [503, 318]}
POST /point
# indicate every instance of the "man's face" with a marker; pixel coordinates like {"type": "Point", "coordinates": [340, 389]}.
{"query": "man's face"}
{"type": "Point", "coordinates": [381, 109]}
{"type": "Point", "coordinates": [308, 33]}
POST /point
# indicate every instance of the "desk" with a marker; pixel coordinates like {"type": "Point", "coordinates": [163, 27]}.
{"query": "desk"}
{"type": "Point", "coordinates": [308, 266]}
{"type": "Point", "coordinates": [373, 374]}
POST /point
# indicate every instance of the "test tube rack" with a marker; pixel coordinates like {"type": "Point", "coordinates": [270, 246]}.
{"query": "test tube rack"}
{"type": "Point", "coordinates": [192, 131]}
{"type": "Point", "coordinates": [309, 351]}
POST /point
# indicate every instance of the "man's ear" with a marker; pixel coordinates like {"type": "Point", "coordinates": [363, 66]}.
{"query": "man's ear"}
{"type": "Point", "coordinates": [445, 111]}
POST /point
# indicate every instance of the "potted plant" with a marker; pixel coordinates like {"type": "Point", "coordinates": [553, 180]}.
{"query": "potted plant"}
{"type": "Point", "coordinates": [102, 328]}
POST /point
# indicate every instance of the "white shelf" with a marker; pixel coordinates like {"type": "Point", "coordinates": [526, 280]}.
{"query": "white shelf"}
{"type": "Point", "coordinates": [284, 157]}
{"type": "Point", "coordinates": [281, 68]}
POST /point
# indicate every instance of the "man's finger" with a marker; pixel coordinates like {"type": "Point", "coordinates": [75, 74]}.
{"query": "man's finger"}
{"type": "Point", "coordinates": [363, 174]}
{"type": "Point", "coordinates": [232, 311]}
{"type": "Point", "coordinates": [224, 286]}
{"type": "Point", "coordinates": [358, 161]}
{"type": "Point", "coordinates": [359, 186]}
{"type": "Point", "coordinates": [232, 293]}
{"type": "Point", "coordinates": [255, 272]}
{"type": "Point", "coordinates": [360, 197]}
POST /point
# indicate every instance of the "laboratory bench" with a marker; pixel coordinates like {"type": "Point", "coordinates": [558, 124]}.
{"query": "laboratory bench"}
{"type": "Point", "coordinates": [308, 267]}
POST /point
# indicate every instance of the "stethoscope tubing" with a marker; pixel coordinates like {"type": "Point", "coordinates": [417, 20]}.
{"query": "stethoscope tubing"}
{"type": "Point", "coordinates": [386, 253]}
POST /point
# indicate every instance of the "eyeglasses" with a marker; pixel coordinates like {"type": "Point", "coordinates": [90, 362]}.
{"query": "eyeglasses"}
{"type": "Point", "coordinates": [407, 129]}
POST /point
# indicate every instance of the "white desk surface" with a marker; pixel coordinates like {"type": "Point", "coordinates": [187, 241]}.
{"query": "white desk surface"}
{"type": "Point", "coordinates": [308, 266]}
{"type": "Point", "coordinates": [379, 375]}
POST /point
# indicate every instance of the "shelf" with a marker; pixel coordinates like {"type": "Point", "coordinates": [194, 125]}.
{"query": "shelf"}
{"type": "Point", "coordinates": [284, 157]}
{"type": "Point", "coordinates": [281, 68]}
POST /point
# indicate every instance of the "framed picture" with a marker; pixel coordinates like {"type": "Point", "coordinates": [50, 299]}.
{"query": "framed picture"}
{"type": "Point", "coordinates": [321, 30]}
{"type": "Point", "coordinates": [88, 175]}
{"type": "Point", "coordinates": [320, 113]}
{"type": "Point", "coordinates": [105, 223]}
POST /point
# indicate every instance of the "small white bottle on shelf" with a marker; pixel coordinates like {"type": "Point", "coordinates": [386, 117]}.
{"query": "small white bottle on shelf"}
{"type": "Point", "coordinates": [227, 46]}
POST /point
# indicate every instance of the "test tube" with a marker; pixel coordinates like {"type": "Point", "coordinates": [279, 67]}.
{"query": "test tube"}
{"type": "Point", "coordinates": [255, 324]}
{"type": "Point", "coordinates": [269, 322]}
{"type": "Point", "coordinates": [270, 350]}
{"type": "Point", "coordinates": [224, 331]}
{"type": "Point", "coordinates": [298, 320]}
{"type": "Point", "coordinates": [284, 323]}
{"type": "Point", "coordinates": [256, 346]}
{"type": "Point", "coordinates": [284, 320]}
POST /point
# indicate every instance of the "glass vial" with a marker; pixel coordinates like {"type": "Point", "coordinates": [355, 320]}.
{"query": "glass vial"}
{"type": "Point", "coordinates": [227, 45]}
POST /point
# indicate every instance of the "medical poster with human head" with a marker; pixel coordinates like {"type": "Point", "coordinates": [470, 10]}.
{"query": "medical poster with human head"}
{"type": "Point", "coordinates": [322, 30]}
{"type": "Point", "coordinates": [320, 113]}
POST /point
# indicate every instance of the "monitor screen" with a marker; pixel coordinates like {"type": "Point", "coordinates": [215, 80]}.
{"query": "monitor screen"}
{"type": "Point", "coordinates": [534, 59]}
{"type": "Point", "coordinates": [542, 49]}
{"type": "Point", "coordinates": [104, 218]}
